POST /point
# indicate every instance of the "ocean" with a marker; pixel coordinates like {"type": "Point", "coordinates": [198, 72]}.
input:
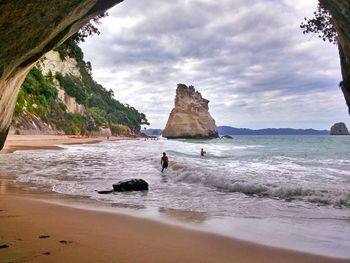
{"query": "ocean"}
{"type": "Point", "coordinates": [285, 191]}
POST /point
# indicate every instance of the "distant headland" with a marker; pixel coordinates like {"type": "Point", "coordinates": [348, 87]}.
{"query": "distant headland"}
{"type": "Point", "coordinates": [228, 130]}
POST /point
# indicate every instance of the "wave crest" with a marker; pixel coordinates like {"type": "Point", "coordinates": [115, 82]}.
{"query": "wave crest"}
{"type": "Point", "coordinates": [289, 193]}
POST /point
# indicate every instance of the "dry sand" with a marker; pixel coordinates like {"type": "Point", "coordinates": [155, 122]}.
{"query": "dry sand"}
{"type": "Point", "coordinates": [36, 230]}
{"type": "Point", "coordinates": [50, 142]}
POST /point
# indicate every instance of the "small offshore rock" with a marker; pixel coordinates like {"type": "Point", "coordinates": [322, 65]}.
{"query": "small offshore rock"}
{"type": "Point", "coordinates": [227, 137]}
{"type": "Point", "coordinates": [131, 185]}
{"type": "Point", "coordinates": [339, 129]}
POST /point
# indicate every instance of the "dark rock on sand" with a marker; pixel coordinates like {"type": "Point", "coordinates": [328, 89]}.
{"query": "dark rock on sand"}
{"type": "Point", "coordinates": [44, 236]}
{"type": "Point", "coordinates": [4, 246]}
{"type": "Point", "coordinates": [131, 185]}
{"type": "Point", "coordinates": [227, 137]}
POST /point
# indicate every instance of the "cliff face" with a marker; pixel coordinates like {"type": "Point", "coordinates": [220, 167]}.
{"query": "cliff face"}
{"type": "Point", "coordinates": [190, 117]}
{"type": "Point", "coordinates": [31, 124]}
{"type": "Point", "coordinates": [59, 95]}
{"type": "Point", "coordinates": [30, 29]}
{"type": "Point", "coordinates": [51, 64]}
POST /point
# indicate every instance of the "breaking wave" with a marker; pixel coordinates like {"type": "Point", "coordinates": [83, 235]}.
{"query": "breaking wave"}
{"type": "Point", "coordinates": [213, 179]}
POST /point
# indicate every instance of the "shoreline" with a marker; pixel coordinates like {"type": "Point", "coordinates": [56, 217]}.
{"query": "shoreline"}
{"type": "Point", "coordinates": [38, 230]}
{"type": "Point", "coordinates": [49, 142]}
{"type": "Point", "coordinates": [111, 236]}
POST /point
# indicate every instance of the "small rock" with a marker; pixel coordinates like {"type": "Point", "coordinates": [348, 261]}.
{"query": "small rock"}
{"type": "Point", "coordinates": [131, 185]}
{"type": "Point", "coordinates": [4, 246]}
{"type": "Point", "coordinates": [44, 236]}
{"type": "Point", "coordinates": [227, 137]}
{"type": "Point", "coordinates": [46, 253]}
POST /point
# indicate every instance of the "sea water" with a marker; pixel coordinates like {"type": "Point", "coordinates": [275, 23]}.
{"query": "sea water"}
{"type": "Point", "coordinates": [286, 191]}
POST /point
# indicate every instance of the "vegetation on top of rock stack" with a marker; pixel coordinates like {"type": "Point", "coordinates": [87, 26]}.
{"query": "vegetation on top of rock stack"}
{"type": "Point", "coordinates": [38, 95]}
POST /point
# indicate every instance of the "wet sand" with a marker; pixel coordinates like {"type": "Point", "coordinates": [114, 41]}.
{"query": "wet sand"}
{"type": "Point", "coordinates": [37, 230]}
{"type": "Point", "coordinates": [33, 228]}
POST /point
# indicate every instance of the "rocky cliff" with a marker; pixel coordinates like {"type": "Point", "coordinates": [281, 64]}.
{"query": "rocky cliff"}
{"type": "Point", "coordinates": [59, 96]}
{"type": "Point", "coordinates": [339, 129]}
{"type": "Point", "coordinates": [190, 117]}
{"type": "Point", "coordinates": [53, 64]}
{"type": "Point", "coordinates": [27, 121]}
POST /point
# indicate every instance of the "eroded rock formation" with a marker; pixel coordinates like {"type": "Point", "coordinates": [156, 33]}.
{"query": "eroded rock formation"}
{"type": "Point", "coordinates": [190, 117]}
{"type": "Point", "coordinates": [28, 30]}
{"type": "Point", "coordinates": [339, 129]}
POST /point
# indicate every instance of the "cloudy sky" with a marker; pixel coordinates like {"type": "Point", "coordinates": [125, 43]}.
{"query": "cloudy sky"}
{"type": "Point", "coordinates": [248, 57]}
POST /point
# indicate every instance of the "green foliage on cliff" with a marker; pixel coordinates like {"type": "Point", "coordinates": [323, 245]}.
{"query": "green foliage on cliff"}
{"type": "Point", "coordinates": [38, 95]}
{"type": "Point", "coordinates": [73, 86]}
{"type": "Point", "coordinates": [94, 96]}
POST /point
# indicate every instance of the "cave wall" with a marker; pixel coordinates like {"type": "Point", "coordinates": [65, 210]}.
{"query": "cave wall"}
{"type": "Point", "coordinates": [340, 11]}
{"type": "Point", "coordinates": [28, 30]}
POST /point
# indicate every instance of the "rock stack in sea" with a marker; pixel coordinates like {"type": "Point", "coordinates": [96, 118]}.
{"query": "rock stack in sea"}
{"type": "Point", "coordinates": [339, 129]}
{"type": "Point", "coordinates": [190, 117]}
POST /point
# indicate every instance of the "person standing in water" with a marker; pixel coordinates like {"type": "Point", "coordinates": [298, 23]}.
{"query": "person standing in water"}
{"type": "Point", "coordinates": [203, 152]}
{"type": "Point", "coordinates": [164, 161]}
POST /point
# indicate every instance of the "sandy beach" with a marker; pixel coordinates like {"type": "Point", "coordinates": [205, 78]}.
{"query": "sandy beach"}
{"type": "Point", "coordinates": [38, 231]}
{"type": "Point", "coordinates": [35, 228]}
{"type": "Point", "coordinates": [48, 142]}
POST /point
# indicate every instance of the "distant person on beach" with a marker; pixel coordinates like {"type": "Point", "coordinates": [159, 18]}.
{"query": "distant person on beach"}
{"type": "Point", "coordinates": [203, 152]}
{"type": "Point", "coordinates": [164, 162]}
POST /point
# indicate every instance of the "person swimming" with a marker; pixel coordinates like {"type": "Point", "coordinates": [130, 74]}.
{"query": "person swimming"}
{"type": "Point", "coordinates": [164, 161]}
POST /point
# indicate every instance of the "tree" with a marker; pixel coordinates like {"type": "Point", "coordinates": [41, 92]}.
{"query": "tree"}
{"type": "Point", "coordinates": [320, 24]}
{"type": "Point", "coordinates": [89, 29]}
{"type": "Point", "coordinates": [323, 24]}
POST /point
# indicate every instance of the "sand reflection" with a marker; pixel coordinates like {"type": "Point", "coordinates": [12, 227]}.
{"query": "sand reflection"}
{"type": "Point", "coordinates": [184, 215]}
